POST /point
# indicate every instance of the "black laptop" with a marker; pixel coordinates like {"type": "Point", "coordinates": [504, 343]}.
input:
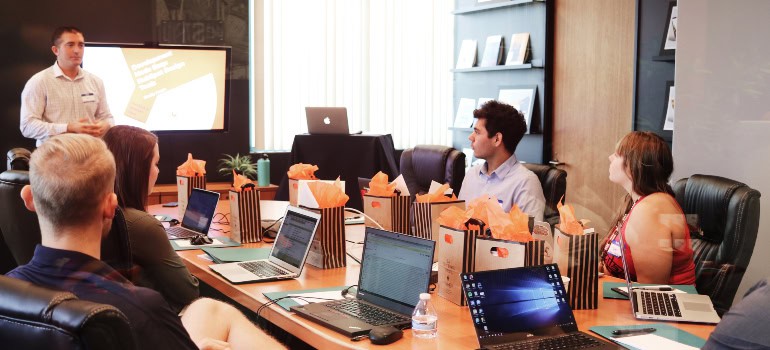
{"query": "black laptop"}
{"type": "Point", "coordinates": [197, 216]}
{"type": "Point", "coordinates": [395, 269]}
{"type": "Point", "coordinates": [524, 308]}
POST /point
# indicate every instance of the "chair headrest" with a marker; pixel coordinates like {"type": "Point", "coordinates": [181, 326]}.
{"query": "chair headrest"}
{"type": "Point", "coordinates": [709, 197]}
{"type": "Point", "coordinates": [18, 159]}
{"type": "Point", "coordinates": [15, 177]}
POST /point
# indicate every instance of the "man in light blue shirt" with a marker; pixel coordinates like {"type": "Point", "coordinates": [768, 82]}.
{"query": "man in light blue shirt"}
{"type": "Point", "coordinates": [497, 132]}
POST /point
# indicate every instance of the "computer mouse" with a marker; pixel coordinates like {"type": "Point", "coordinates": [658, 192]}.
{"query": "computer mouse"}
{"type": "Point", "coordinates": [384, 335]}
{"type": "Point", "coordinates": [200, 240]}
{"type": "Point", "coordinates": [173, 222]}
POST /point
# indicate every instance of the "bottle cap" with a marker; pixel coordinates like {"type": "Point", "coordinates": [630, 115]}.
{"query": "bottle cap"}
{"type": "Point", "coordinates": [264, 155]}
{"type": "Point", "coordinates": [424, 296]}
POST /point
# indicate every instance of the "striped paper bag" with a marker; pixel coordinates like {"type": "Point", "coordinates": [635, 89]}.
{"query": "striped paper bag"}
{"type": "Point", "coordinates": [456, 255]}
{"type": "Point", "coordinates": [245, 217]}
{"type": "Point", "coordinates": [578, 259]}
{"type": "Point", "coordinates": [425, 215]}
{"type": "Point", "coordinates": [184, 186]}
{"type": "Point", "coordinates": [493, 254]}
{"type": "Point", "coordinates": [392, 212]}
{"type": "Point", "coordinates": [328, 248]}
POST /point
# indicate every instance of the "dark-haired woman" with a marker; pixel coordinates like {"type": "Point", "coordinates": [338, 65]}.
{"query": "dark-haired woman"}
{"type": "Point", "coordinates": [158, 266]}
{"type": "Point", "coordinates": [657, 239]}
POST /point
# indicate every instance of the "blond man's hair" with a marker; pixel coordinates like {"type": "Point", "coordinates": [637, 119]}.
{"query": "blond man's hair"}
{"type": "Point", "coordinates": [70, 174]}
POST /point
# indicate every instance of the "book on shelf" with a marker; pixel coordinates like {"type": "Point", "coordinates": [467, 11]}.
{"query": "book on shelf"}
{"type": "Point", "coordinates": [519, 51]}
{"type": "Point", "coordinates": [467, 56]}
{"type": "Point", "coordinates": [464, 117]}
{"type": "Point", "coordinates": [493, 51]}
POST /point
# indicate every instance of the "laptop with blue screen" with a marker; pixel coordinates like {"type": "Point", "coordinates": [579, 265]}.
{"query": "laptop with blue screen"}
{"type": "Point", "coordinates": [525, 308]}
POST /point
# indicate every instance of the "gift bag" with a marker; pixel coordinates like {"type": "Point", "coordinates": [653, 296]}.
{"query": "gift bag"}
{"type": "Point", "coordinates": [425, 215]}
{"type": "Point", "coordinates": [456, 251]}
{"type": "Point", "coordinates": [328, 248]}
{"type": "Point", "coordinates": [293, 188]}
{"type": "Point", "coordinates": [245, 217]}
{"type": "Point", "coordinates": [184, 186]}
{"type": "Point", "coordinates": [392, 212]}
{"type": "Point", "coordinates": [494, 254]}
{"type": "Point", "coordinates": [578, 259]}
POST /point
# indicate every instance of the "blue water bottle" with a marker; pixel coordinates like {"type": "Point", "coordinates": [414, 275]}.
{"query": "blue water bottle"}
{"type": "Point", "coordinates": [263, 171]}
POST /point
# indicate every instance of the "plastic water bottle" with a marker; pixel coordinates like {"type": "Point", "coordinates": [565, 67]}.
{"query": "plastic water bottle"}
{"type": "Point", "coordinates": [263, 171]}
{"type": "Point", "coordinates": [424, 318]}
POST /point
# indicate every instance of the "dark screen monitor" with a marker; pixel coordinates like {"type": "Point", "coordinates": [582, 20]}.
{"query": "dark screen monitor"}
{"type": "Point", "coordinates": [164, 88]}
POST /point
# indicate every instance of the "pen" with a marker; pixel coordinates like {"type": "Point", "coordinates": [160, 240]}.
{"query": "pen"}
{"type": "Point", "coordinates": [662, 289]}
{"type": "Point", "coordinates": [630, 331]}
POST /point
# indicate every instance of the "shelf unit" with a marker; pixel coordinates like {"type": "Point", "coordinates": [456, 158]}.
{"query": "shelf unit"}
{"type": "Point", "coordinates": [477, 21]}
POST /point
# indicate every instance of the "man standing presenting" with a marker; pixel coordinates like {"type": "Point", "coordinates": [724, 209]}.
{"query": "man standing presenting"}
{"type": "Point", "coordinates": [497, 133]}
{"type": "Point", "coordinates": [64, 98]}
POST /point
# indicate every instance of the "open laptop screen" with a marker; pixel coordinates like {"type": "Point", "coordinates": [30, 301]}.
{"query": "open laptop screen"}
{"type": "Point", "coordinates": [200, 210]}
{"type": "Point", "coordinates": [294, 237]}
{"type": "Point", "coordinates": [513, 304]}
{"type": "Point", "coordinates": [395, 269]}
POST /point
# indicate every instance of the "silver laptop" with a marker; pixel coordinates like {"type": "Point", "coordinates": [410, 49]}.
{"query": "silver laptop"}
{"type": "Point", "coordinates": [666, 305]}
{"type": "Point", "coordinates": [327, 120]}
{"type": "Point", "coordinates": [287, 256]}
{"type": "Point", "coordinates": [197, 216]}
{"type": "Point", "coordinates": [395, 269]}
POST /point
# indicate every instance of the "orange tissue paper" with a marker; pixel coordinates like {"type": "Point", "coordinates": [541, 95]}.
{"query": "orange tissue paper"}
{"type": "Point", "coordinates": [241, 182]}
{"type": "Point", "coordinates": [328, 195]}
{"type": "Point", "coordinates": [454, 217]}
{"type": "Point", "coordinates": [436, 196]}
{"type": "Point", "coordinates": [191, 167]}
{"type": "Point", "coordinates": [302, 171]}
{"type": "Point", "coordinates": [379, 186]}
{"type": "Point", "coordinates": [567, 221]}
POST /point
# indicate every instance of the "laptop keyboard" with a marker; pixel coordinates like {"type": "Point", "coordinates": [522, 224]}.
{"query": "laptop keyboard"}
{"type": "Point", "coordinates": [367, 313]}
{"type": "Point", "coordinates": [569, 341]}
{"type": "Point", "coordinates": [661, 304]}
{"type": "Point", "coordinates": [181, 232]}
{"type": "Point", "coordinates": [263, 269]}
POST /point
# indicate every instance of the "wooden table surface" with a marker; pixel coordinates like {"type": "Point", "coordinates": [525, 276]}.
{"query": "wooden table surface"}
{"type": "Point", "coordinates": [455, 329]}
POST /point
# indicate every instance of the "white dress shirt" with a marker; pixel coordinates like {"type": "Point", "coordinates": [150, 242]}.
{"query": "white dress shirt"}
{"type": "Point", "coordinates": [51, 99]}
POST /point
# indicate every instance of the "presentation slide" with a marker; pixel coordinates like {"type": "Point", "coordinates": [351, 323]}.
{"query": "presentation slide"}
{"type": "Point", "coordinates": [162, 89]}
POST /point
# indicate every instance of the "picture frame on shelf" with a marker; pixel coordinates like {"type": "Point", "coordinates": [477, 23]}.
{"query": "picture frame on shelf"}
{"type": "Point", "coordinates": [668, 109]}
{"type": "Point", "coordinates": [523, 98]}
{"type": "Point", "coordinates": [668, 44]}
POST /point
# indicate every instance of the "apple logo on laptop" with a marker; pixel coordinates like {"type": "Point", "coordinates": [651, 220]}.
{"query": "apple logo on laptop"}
{"type": "Point", "coordinates": [327, 121]}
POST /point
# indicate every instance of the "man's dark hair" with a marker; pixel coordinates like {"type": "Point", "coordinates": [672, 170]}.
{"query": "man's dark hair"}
{"type": "Point", "coordinates": [56, 37]}
{"type": "Point", "coordinates": [506, 120]}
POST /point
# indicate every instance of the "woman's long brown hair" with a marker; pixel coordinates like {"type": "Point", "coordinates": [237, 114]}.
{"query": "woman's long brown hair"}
{"type": "Point", "coordinates": [133, 150]}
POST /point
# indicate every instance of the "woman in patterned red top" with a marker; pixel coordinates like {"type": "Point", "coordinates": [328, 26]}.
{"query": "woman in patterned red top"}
{"type": "Point", "coordinates": [657, 239]}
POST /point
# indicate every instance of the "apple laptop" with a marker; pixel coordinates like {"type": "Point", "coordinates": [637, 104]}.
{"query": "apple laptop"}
{"type": "Point", "coordinates": [287, 257]}
{"type": "Point", "coordinates": [667, 305]}
{"type": "Point", "coordinates": [197, 216]}
{"type": "Point", "coordinates": [327, 120]}
{"type": "Point", "coordinates": [524, 308]}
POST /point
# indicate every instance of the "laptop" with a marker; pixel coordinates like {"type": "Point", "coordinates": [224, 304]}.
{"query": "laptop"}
{"type": "Point", "coordinates": [524, 307]}
{"type": "Point", "coordinates": [287, 257]}
{"type": "Point", "coordinates": [197, 216]}
{"type": "Point", "coordinates": [395, 269]}
{"type": "Point", "coordinates": [667, 305]}
{"type": "Point", "coordinates": [327, 120]}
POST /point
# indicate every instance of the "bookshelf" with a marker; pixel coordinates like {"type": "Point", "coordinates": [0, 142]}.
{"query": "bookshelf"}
{"type": "Point", "coordinates": [477, 21]}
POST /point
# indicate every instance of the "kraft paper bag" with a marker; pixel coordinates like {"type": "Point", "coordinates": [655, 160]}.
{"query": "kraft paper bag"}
{"type": "Point", "coordinates": [456, 255]}
{"type": "Point", "coordinates": [392, 212]}
{"type": "Point", "coordinates": [578, 259]}
{"type": "Point", "coordinates": [245, 216]}
{"type": "Point", "coordinates": [328, 248]}
{"type": "Point", "coordinates": [184, 186]}
{"type": "Point", "coordinates": [425, 215]}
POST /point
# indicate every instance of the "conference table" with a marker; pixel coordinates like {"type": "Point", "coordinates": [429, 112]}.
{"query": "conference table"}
{"type": "Point", "coordinates": [455, 328]}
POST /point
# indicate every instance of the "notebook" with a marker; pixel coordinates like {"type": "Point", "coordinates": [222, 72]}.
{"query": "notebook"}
{"type": "Point", "coordinates": [327, 120]}
{"type": "Point", "coordinates": [395, 269]}
{"type": "Point", "coordinates": [287, 256]}
{"type": "Point", "coordinates": [667, 305]}
{"type": "Point", "coordinates": [524, 307]}
{"type": "Point", "coordinates": [197, 216]}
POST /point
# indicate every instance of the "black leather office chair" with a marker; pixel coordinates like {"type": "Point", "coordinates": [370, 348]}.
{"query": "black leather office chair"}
{"type": "Point", "coordinates": [33, 317]}
{"type": "Point", "coordinates": [18, 159]}
{"type": "Point", "coordinates": [21, 232]}
{"type": "Point", "coordinates": [424, 163]}
{"type": "Point", "coordinates": [728, 219]}
{"type": "Point", "coordinates": [554, 182]}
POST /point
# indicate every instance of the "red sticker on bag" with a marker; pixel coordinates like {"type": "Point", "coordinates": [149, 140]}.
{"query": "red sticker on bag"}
{"type": "Point", "coordinates": [502, 252]}
{"type": "Point", "coordinates": [375, 204]}
{"type": "Point", "coordinates": [448, 238]}
{"type": "Point", "coordinates": [295, 185]}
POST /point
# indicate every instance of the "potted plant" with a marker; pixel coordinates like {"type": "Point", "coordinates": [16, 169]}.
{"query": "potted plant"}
{"type": "Point", "coordinates": [240, 163]}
